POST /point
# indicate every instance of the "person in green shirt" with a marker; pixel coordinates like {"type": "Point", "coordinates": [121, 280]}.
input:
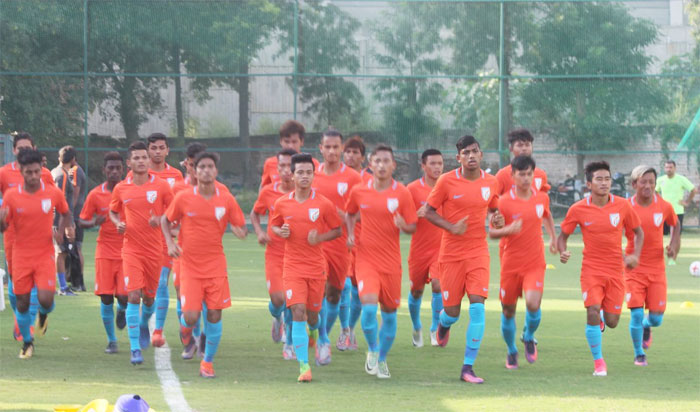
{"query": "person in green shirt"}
{"type": "Point", "coordinates": [672, 188]}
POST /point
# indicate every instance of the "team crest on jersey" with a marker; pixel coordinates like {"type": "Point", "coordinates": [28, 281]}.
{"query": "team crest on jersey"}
{"type": "Point", "coordinates": [46, 205]}
{"type": "Point", "coordinates": [392, 204]}
{"type": "Point", "coordinates": [658, 219]}
{"type": "Point", "coordinates": [151, 196]}
{"type": "Point", "coordinates": [614, 219]}
{"type": "Point", "coordinates": [171, 181]}
{"type": "Point", "coordinates": [289, 293]}
{"type": "Point", "coordinates": [628, 296]}
{"type": "Point", "coordinates": [539, 208]}
{"type": "Point", "coordinates": [538, 182]}
{"type": "Point", "coordinates": [219, 212]}
{"type": "Point", "coordinates": [360, 285]}
{"type": "Point", "coordinates": [486, 192]}
{"type": "Point", "coordinates": [342, 188]}
{"type": "Point", "coordinates": [313, 214]}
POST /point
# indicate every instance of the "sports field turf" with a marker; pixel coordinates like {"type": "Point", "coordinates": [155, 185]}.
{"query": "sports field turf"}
{"type": "Point", "coordinates": [69, 365]}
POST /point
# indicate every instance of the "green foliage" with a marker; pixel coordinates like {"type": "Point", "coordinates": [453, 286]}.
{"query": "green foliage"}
{"type": "Point", "coordinates": [267, 126]}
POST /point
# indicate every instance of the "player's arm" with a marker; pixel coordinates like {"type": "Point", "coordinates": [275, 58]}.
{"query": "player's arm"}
{"type": "Point", "coordinates": [96, 220]}
{"type": "Point", "coordinates": [65, 226]}
{"type": "Point", "coordinates": [689, 200]}
{"type": "Point", "coordinates": [564, 254]}
{"type": "Point", "coordinates": [88, 218]}
{"type": "Point", "coordinates": [173, 248]}
{"type": "Point", "coordinates": [236, 219]}
{"type": "Point", "coordinates": [257, 227]}
{"type": "Point", "coordinates": [548, 223]}
{"type": "Point", "coordinates": [633, 260]}
{"type": "Point", "coordinates": [121, 225]}
{"type": "Point", "coordinates": [495, 218]}
{"type": "Point", "coordinates": [4, 216]}
{"type": "Point", "coordinates": [314, 238]}
{"type": "Point", "coordinates": [675, 244]}
{"type": "Point", "coordinates": [433, 217]}
{"type": "Point", "coordinates": [350, 220]}
{"type": "Point", "coordinates": [511, 229]}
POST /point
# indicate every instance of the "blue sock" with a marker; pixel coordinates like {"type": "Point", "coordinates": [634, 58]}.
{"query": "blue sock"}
{"type": "Point", "coordinates": [301, 341]}
{"type": "Point", "coordinates": [344, 307]}
{"type": "Point", "coordinates": [355, 307]}
{"type": "Point", "coordinates": [532, 322]}
{"type": "Point", "coordinates": [197, 328]}
{"type": "Point", "coordinates": [204, 317]}
{"type": "Point", "coordinates": [475, 332]}
{"type": "Point", "coordinates": [178, 309]}
{"type": "Point", "coordinates": [275, 311]}
{"type": "Point", "coordinates": [132, 323]}
{"type": "Point", "coordinates": [45, 311]}
{"type": "Point", "coordinates": [331, 315]}
{"type": "Point", "coordinates": [33, 303]}
{"type": "Point", "coordinates": [447, 320]}
{"type": "Point", "coordinates": [62, 280]}
{"type": "Point", "coordinates": [213, 332]}
{"type": "Point", "coordinates": [162, 298]}
{"type": "Point", "coordinates": [369, 325]}
{"type": "Point", "coordinates": [637, 330]}
{"type": "Point", "coordinates": [436, 303]}
{"type": "Point", "coordinates": [11, 295]}
{"type": "Point", "coordinates": [508, 332]}
{"type": "Point", "coordinates": [24, 321]}
{"type": "Point", "coordinates": [107, 313]}
{"type": "Point", "coordinates": [387, 333]}
{"type": "Point", "coordinates": [322, 332]}
{"type": "Point", "coordinates": [414, 311]}
{"type": "Point", "coordinates": [653, 320]}
{"type": "Point", "coordinates": [289, 328]}
{"type": "Point", "coordinates": [595, 340]}
{"type": "Point", "coordinates": [146, 312]}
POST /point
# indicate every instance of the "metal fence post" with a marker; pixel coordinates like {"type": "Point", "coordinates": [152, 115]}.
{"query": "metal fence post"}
{"type": "Point", "coordinates": [86, 96]}
{"type": "Point", "coordinates": [296, 55]}
{"type": "Point", "coordinates": [501, 89]}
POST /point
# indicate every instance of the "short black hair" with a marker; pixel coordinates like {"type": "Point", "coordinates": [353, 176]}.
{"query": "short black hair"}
{"type": "Point", "coordinates": [355, 142]}
{"type": "Point", "coordinates": [43, 155]}
{"type": "Point", "coordinates": [522, 163]}
{"type": "Point", "coordinates": [383, 148]}
{"type": "Point", "coordinates": [301, 158]}
{"type": "Point", "coordinates": [286, 152]}
{"type": "Point", "coordinates": [154, 137]}
{"type": "Point", "coordinates": [466, 141]}
{"type": "Point", "coordinates": [332, 132]}
{"type": "Point", "coordinates": [429, 152]}
{"type": "Point", "coordinates": [206, 155]}
{"type": "Point", "coordinates": [66, 154]}
{"type": "Point", "coordinates": [137, 145]}
{"type": "Point", "coordinates": [594, 167]}
{"type": "Point", "coordinates": [671, 162]}
{"type": "Point", "coordinates": [193, 149]}
{"type": "Point", "coordinates": [291, 127]}
{"type": "Point", "coordinates": [520, 135]}
{"type": "Point", "coordinates": [112, 156]}
{"type": "Point", "coordinates": [28, 156]}
{"type": "Point", "coordinates": [17, 136]}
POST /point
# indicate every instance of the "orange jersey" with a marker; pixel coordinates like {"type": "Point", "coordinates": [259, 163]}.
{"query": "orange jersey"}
{"type": "Point", "coordinates": [316, 212]}
{"type": "Point", "coordinates": [336, 188]}
{"type": "Point", "coordinates": [525, 250]}
{"type": "Point", "coordinates": [380, 236]}
{"type": "Point", "coordinates": [30, 215]}
{"type": "Point", "coordinates": [138, 204]}
{"type": "Point", "coordinates": [460, 197]}
{"type": "Point", "coordinates": [109, 240]}
{"type": "Point", "coordinates": [652, 217]}
{"type": "Point", "coordinates": [265, 204]}
{"type": "Point", "coordinates": [270, 174]}
{"type": "Point", "coordinates": [202, 224]}
{"type": "Point", "coordinates": [505, 180]}
{"type": "Point", "coordinates": [602, 233]}
{"type": "Point", "coordinates": [425, 242]}
{"type": "Point", "coordinates": [365, 174]}
{"type": "Point", "coordinates": [169, 174]}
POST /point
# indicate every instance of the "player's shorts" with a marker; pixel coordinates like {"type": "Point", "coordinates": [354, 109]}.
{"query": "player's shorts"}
{"type": "Point", "coordinates": [387, 286]}
{"type": "Point", "coordinates": [274, 266]}
{"type": "Point", "coordinates": [304, 291]}
{"type": "Point", "coordinates": [338, 264]}
{"type": "Point", "coordinates": [39, 271]}
{"type": "Point", "coordinates": [422, 271]}
{"type": "Point", "coordinates": [213, 291]}
{"type": "Point", "coordinates": [646, 290]}
{"type": "Point", "coordinates": [8, 256]}
{"type": "Point", "coordinates": [513, 284]}
{"type": "Point", "coordinates": [176, 272]}
{"type": "Point", "coordinates": [109, 277]}
{"type": "Point", "coordinates": [604, 290]}
{"type": "Point", "coordinates": [464, 277]}
{"type": "Point", "coordinates": [141, 273]}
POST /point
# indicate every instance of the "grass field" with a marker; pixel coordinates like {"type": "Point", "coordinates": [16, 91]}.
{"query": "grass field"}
{"type": "Point", "coordinates": [69, 365]}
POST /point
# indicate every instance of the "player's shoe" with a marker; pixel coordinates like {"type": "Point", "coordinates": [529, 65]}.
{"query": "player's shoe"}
{"type": "Point", "coordinates": [443, 335]}
{"type": "Point", "coordinates": [27, 350]}
{"type": "Point", "coordinates": [646, 338]}
{"type": "Point", "coordinates": [206, 370]}
{"type": "Point", "coordinates": [144, 337]}
{"type": "Point", "coordinates": [383, 370]}
{"type": "Point", "coordinates": [66, 292]}
{"type": "Point", "coordinates": [352, 340]}
{"type": "Point", "coordinates": [121, 319]}
{"type": "Point", "coordinates": [157, 340]}
{"type": "Point", "coordinates": [601, 369]}
{"type": "Point", "coordinates": [16, 333]}
{"type": "Point", "coordinates": [433, 338]}
{"type": "Point", "coordinates": [288, 352]}
{"type": "Point", "coordinates": [512, 361]}
{"type": "Point", "coordinates": [277, 329]}
{"type": "Point", "coordinates": [530, 349]}
{"type": "Point", "coordinates": [323, 354]}
{"type": "Point", "coordinates": [343, 342]}
{"type": "Point", "coordinates": [304, 373]}
{"type": "Point", "coordinates": [417, 338]}
{"type": "Point", "coordinates": [189, 349]}
{"type": "Point", "coordinates": [641, 360]}
{"type": "Point", "coordinates": [468, 375]}
{"type": "Point", "coordinates": [136, 357]}
{"type": "Point", "coordinates": [111, 348]}
{"type": "Point", "coordinates": [42, 324]}
{"type": "Point", "coordinates": [372, 363]}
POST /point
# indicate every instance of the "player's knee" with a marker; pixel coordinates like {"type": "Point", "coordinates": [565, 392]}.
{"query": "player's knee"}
{"type": "Point", "coordinates": [107, 299]}
{"type": "Point", "coordinates": [213, 315]}
{"type": "Point", "coordinates": [435, 285]}
{"type": "Point", "coordinates": [22, 304]}
{"type": "Point", "coordinates": [593, 315]}
{"type": "Point", "coordinates": [417, 294]}
{"type": "Point", "coordinates": [509, 311]}
{"type": "Point", "coordinates": [655, 319]}
{"type": "Point", "coordinates": [277, 299]}
{"type": "Point", "coordinates": [453, 311]}
{"type": "Point", "coordinates": [312, 318]}
{"type": "Point", "coordinates": [299, 313]}
{"type": "Point", "coordinates": [611, 321]}
{"type": "Point", "coordinates": [147, 300]}
{"type": "Point", "coordinates": [191, 318]}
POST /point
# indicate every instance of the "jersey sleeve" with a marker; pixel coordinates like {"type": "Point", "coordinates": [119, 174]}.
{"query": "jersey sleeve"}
{"type": "Point", "coordinates": [670, 217]}
{"type": "Point", "coordinates": [570, 221]}
{"type": "Point", "coordinates": [235, 214]}
{"type": "Point", "coordinates": [502, 181]}
{"type": "Point", "coordinates": [408, 207]}
{"type": "Point", "coordinates": [174, 212]}
{"type": "Point", "coordinates": [276, 218]}
{"type": "Point", "coordinates": [687, 184]}
{"type": "Point", "coordinates": [115, 204]}
{"type": "Point", "coordinates": [438, 195]}
{"type": "Point", "coordinates": [503, 209]}
{"type": "Point", "coordinates": [351, 206]}
{"type": "Point", "coordinates": [89, 207]}
{"type": "Point", "coordinates": [266, 179]}
{"type": "Point", "coordinates": [495, 195]}
{"type": "Point", "coordinates": [8, 203]}
{"type": "Point", "coordinates": [167, 194]}
{"type": "Point", "coordinates": [547, 211]}
{"type": "Point", "coordinates": [330, 215]}
{"type": "Point", "coordinates": [259, 207]}
{"type": "Point", "coordinates": [632, 220]}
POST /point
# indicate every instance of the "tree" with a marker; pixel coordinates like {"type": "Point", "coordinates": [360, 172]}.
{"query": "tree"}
{"type": "Point", "coordinates": [591, 39]}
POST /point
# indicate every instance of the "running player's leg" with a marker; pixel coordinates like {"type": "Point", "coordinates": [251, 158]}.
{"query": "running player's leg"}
{"type": "Point", "coordinates": [453, 286]}
{"type": "Point", "coordinates": [45, 283]}
{"type": "Point", "coordinates": [418, 276]}
{"type": "Point", "coordinates": [151, 281]}
{"type": "Point", "coordinates": [162, 302]}
{"type": "Point", "coordinates": [656, 303]}
{"type": "Point", "coordinates": [355, 312]}
{"type": "Point", "coordinates": [389, 299]}
{"type": "Point", "coordinates": [217, 297]}
{"type": "Point", "coordinates": [533, 286]}
{"type": "Point", "coordinates": [275, 288]}
{"type": "Point", "coordinates": [636, 296]}
{"type": "Point", "coordinates": [22, 285]}
{"type": "Point", "coordinates": [593, 289]}
{"type": "Point", "coordinates": [134, 281]}
{"type": "Point", "coordinates": [344, 314]}
{"type": "Point", "coordinates": [477, 283]}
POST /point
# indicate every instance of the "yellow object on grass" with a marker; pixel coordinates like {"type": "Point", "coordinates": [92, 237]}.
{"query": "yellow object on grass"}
{"type": "Point", "coordinates": [687, 305]}
{"type": "Point", "coordinates": [551, 266]}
